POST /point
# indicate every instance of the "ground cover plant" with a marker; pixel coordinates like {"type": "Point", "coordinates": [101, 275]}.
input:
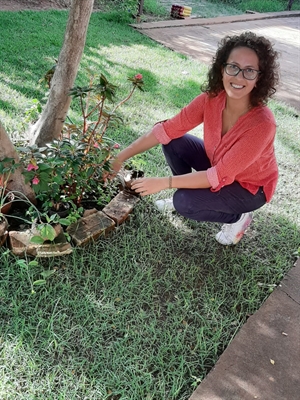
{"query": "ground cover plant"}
{"type": "Point", "coordinates": [145, 312]}
{"type": "Point", "coordinates": [217, 8]}
{"type": "Point", "coordinates": [240, 6]}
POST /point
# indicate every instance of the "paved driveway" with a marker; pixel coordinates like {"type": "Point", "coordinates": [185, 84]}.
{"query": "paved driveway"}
{"type": "Point", "coordinates": [199, 37]}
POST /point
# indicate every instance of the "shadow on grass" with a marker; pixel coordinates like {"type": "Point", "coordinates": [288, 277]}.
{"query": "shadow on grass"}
{"type": "Point", "coordinates": [144, 313]}
{"type": "Point", "coordinates": [111, 48]}
{"type": "Point", "coordinates": [147, 310]}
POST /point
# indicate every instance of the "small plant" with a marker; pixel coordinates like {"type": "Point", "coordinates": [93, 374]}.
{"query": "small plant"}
{"type": "Point", "coordinates": [8, 197]}
{"type": "Point", "coordinates": [65, 172]}
{"type": "Point", "coordinates": [28, 265]}
{"type": "Point", "coordinates": [71, 168]}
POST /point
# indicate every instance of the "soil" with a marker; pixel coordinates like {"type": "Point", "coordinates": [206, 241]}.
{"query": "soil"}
{"type": "Point", "coordinates": [17, 5]}
{"type": "Point", "coordinates": [40, 5]}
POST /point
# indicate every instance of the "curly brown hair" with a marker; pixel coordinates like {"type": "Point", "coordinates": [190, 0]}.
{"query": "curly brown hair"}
{"type": "Point", "coordinates": [268, 66]}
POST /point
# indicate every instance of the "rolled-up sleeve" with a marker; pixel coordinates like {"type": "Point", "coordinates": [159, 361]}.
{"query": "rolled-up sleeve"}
{"type": "Point", "coordinates": [187, 119]}
{"type": "Point", "coordinates": [212, 177]}
{"type": "Point", "coordinates": [160, 133]}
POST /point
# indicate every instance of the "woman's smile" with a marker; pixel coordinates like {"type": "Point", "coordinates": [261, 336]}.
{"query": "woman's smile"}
{"type": "Point", "coordinates": [237, 87]}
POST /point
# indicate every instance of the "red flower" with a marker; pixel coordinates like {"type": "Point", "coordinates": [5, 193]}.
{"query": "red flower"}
{"type": "Point", "coordinates": [138, 77]}
{"type": "Point", "coordinates": [35, 180]}
{"type": "Point", "coordinates": [96, 145]}
{"type": "Point", "coordinates": [116, 146]}
{"type": "Point", "coordinates": [32, 167]}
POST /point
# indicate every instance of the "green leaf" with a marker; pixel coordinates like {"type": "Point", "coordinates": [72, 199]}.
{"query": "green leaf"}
{"type": "Point", "coordinates": [33, 263]}
{"type": "Point", "coordinates": [39, 282]}
{"type": "Point", "coordinates": [47, 274]}
{"type": "Point", "coordinates": [22, 263]}
{"type": "Point", "coordinates": [64, 221]}
{"type": "Point", "coordinates": [37, 240]}
{"type": "Point", "coordinates": [47, 232]}
{"type": "Point", "coordinates": [45, 168]}
{"type": "Point", "coordinates": [103, 80]}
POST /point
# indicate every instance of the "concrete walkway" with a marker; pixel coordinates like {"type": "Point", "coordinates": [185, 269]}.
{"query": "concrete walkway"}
{"type": "Point", "coordinates": [263, 360]}
{"type": "Point", "coordinates": [199, 37]}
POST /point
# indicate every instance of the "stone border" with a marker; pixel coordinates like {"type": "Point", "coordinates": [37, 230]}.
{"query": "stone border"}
{"type": "Point", "coordinates": [89, 228]}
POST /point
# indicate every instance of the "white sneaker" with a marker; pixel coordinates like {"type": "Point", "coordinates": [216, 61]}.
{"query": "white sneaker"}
{"type": "Point", "coordinates": [165, 204]}
{"type": "Point", "coordinates": [233, 233]}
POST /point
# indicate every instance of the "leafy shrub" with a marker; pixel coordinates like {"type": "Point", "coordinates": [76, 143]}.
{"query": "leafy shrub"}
{"type": "Point", "coordinates": [262, 6]}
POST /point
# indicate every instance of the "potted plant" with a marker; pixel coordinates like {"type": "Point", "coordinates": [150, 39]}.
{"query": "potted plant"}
{"type": "Point", "coordinates": [71, 169]}
{"type": "Point", "coordinates": [26, 213]}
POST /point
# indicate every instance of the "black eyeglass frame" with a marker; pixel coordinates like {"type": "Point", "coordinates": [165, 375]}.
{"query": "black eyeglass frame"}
{"type": "Point", "coordinates": [243, 70]}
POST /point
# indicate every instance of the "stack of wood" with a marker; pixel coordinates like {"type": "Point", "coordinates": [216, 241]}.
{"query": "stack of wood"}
{"type": "Point", "coordinates": [180, 12]}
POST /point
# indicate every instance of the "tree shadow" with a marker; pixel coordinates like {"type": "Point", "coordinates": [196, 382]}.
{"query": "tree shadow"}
{"type": "Point", "coordinates": [160, 281]}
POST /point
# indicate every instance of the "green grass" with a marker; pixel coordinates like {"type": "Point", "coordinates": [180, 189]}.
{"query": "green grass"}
{"type": "Point", "coordinates": [206, 9]}
{"type": "Point", "coordinates": [145, 312]}
{"type": "Point", "coordinates": [217, 8]}
{"type": "Point", "coordinates": [268, 5]}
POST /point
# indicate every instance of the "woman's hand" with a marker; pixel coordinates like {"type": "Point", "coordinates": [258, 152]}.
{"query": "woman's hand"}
{"type": "Point", "coordinates": [115, 168]}
{"type": "Point", "coordinates": [146, 186]}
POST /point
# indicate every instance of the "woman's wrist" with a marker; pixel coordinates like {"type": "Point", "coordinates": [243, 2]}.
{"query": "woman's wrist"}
{"type": "Point", "coordinates": [168, 182]}
{"type": "Point", "coordinates": [121, 157]}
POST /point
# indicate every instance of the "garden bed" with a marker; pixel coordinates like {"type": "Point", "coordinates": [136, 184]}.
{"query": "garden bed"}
{"type": "Point", "coordinates": [96, 221]}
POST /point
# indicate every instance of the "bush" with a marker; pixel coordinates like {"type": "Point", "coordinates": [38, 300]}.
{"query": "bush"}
{"type": "Point", "coordinates": [119, 5]}
{"type": "Point", "coordinates": [262, 6]}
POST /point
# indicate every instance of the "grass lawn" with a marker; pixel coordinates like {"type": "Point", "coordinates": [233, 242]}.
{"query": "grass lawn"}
{"type": "Point", "coordinates": [145, 312]}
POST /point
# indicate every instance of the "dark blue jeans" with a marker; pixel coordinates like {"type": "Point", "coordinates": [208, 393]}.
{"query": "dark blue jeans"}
{"type": "Point", "coordinates": [226, 205]}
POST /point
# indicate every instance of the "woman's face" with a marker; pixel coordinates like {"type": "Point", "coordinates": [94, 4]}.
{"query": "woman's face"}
{"type": "Point", "coordinates": [237, 87]}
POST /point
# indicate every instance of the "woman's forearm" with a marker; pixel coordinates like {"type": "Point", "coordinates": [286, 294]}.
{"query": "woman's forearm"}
{"type": "Point", "coordinates": [140, 145]}
{"type": "Point", "coordinates": [194, 180]}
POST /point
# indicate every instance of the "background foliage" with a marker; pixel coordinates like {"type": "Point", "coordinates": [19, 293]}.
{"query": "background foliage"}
{"type": "Point", "coordinates": [145, 312]}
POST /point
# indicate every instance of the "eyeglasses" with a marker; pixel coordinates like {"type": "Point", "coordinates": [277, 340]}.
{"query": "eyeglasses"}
{"type": "Point", "coordinates": [248, 73]}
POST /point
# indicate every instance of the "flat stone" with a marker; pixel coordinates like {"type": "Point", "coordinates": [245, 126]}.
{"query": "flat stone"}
{"type": "Point", "coordinates": [54, 249]}
{"type": "Point", "coordinates": [90, 228]}
{"type": "Point", "coordinates": [89, 212]}
{"type": "Point", "coordinates": [3, 226]}
{"type": "Point", "coordinates": [263, 360]}
{"type": "Point", "coordinates": [21, 245]}
{"type": "Point", "coordinates": [60, 246]}
{"type": "Point", "coordinates": [121, 206]}
{"type": "Point", "coordinates": [3, 238]}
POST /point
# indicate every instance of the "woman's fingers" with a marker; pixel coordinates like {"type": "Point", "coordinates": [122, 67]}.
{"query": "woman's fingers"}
{"type": "Point", "coordinates": [146, 186]}
{"type": "Point", "coordinates": [138, 186]}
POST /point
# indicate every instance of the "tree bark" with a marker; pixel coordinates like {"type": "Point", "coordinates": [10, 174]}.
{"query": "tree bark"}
{"type": "Point", "coordinates": [16, 181]}
{"type": "Point", "coordinates": [50, 124]}
{"type": "Point", "coordinates": [289, 6]}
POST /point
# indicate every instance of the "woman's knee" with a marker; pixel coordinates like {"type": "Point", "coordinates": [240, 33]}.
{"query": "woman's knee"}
{"type": "Point", "coordinates": [187, 206]}
{"type": "Point", "coordinates": [172, 146]}
{"type": "Point", "coordinates": [183, 144]}
{"type": "Point", "coordinates": [182, 202]}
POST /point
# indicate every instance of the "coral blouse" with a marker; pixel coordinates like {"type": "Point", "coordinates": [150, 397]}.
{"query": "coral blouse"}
{"type": "Point", "coordinates": [244, 154]}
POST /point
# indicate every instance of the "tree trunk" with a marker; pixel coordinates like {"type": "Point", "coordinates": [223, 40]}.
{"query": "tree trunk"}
{"type": "Point", "coordinates": [290, 3]}
{"type": "Point", "coordinates": [16, 181]}
{"type": "Point", "coordinates": [50, 123]}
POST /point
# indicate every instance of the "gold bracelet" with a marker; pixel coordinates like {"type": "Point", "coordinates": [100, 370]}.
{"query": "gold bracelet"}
{"type": "Point", "coordinates": [170, 182]}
